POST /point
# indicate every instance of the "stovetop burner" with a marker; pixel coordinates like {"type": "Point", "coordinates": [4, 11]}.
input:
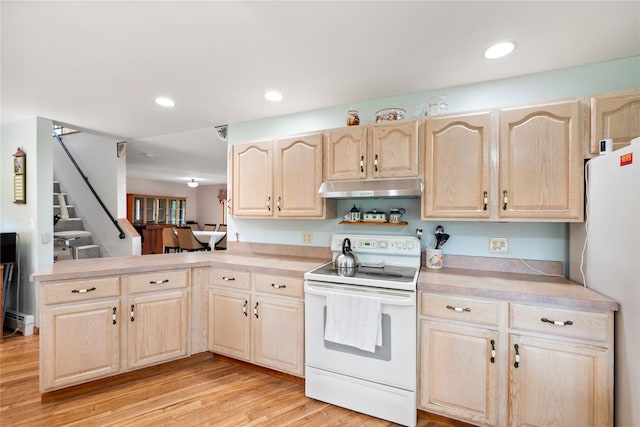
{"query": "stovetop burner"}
{"type": "Point", "coordinates": [386, 273]}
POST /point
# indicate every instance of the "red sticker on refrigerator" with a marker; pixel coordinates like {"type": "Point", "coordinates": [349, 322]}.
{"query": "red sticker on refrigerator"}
{"type": "Point", "coordinates": [626, 159]}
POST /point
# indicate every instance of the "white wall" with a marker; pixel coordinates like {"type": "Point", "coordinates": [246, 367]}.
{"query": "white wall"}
{"type": "Point", "coordinates": [160, 188]}
{"type": "Point", "coordinates": [32, 221]}
{"type": "Point", "coordinates": [96, 156]}
{"type": "Point", "coordinates": [544, 241]}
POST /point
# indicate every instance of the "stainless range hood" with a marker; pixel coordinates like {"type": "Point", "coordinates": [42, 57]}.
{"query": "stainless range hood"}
{"type": "Point", "coordinates": [353, 189]}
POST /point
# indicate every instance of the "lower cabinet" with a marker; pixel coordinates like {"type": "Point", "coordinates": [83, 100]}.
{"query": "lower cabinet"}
{"type": "Point", "coordinates": [491, 362]}
{"type": "Point", "coordinates": [257, 318]}
{"type": "Point", "coordinates": [95, 328]}
{"type": "Point", "coordinates": [80, 332]}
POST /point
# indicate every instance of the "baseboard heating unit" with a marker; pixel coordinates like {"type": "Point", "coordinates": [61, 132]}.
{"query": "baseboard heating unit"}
{"type": "Point", "coordinates": [24, 322]}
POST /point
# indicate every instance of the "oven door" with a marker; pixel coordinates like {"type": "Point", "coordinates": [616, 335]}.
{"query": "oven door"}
{"type": "Point", "coordinates": [392, 364]}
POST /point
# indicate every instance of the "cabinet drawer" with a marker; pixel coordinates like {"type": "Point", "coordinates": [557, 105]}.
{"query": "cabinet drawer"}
{"type": "Point", "coordinates": [459, 308]}
{"type": "Point", "coordinates": [569, 323]}
{"type": "Point", "coordinates": [287, 286]}
{"type": "Point", "coordinates": [80, 290]}
{"type": "Point", "coordinates": [230, 278]}
{"type": "Point", "coordinates": [158, 280]}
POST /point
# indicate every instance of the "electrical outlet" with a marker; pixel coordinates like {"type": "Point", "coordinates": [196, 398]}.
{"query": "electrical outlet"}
{"type": "Point", "coordinates": [307, 237]}
{"type": "Point", "coordinates": [499, 245]}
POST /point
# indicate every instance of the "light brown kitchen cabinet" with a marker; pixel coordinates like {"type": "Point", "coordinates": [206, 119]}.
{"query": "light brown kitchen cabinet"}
{"type": "Point", "coordinates": [278, 179]}
{"type": "Point", "coordinates": [493, 362]}
{"type": "Point", "coordinates": [346, 153]}
{"type": "Point", "coordinates": [541, 163]}
{"type": "Point", "coordinates": [616, 116]}
{"type": "Point", "coordinates": [457, 172]}
{"type": "Point", "coordinates": [458, 358]}
{"type": "Point", "coordinates": [381, 150]}
{"type": "Point", "coordinates": [80, 331]}
{"type": "Point", "coordinates": [252, 179]}
{"type": "Point", "coordinates": [560, 360]}
{"type": "Point", "coordinates": [257, 318]}
{"type": "Point", "coordinates": [157, 317]}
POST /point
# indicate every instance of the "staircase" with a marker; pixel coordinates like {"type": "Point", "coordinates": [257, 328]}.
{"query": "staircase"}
{"type": "Point", "coordinates": [71, 240]}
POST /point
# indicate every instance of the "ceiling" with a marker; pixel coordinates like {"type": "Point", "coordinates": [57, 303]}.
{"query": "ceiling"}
{"type": "Point", "coordinates": [99, 65]}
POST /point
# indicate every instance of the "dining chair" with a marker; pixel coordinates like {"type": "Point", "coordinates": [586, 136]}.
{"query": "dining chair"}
{"type": "Point", "coordinates": [193, 226]}
{"type": "Point", "coordinates": [170, 240]}
{"type": "Point", "coordinates": [222, 244]}
{"type": "Point", "coordinates": [188, 241]}
{"type": "Point", "coordinates": [209, 227]}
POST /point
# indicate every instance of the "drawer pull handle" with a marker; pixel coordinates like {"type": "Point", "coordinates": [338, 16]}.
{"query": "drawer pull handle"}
{"type": "Point", "coordinates": [82, 291]}
{"type": "Point", "coordinates": [244, 308]}
{"type": "Point", "coordinates": [132, 316]}
{"type": "Point", "coordinates": [557, 322]}
{"type": "Point", "coordinates": [505, 200]}
{"type": "Point", "coordinates": [516, 362]}
{"type": "Point", "coordinates": [361, 164]}
{"type": "Point", "coordinates": [275, 285]}
{"type": "Point", "coordinates": [458, 309]}
{"type": "Point", "coordinates": [255, 310]}
{"type": "Point", "coordinates": [485, 200]}
{"type": "Point", "coordinates": [228, 279]}
{"type": "Point", "coordinates": [375, 163]}
{"type": "Point", "coordinates": [493, 351]}
{"type": "Point", "coordinates": [269, 203]}
{"type": "Point", "coordinates": [158, 282]}
{"type": "Point", "coordinates": [278, 203]}
{"type": "Point", "coordinates": [113, 316]}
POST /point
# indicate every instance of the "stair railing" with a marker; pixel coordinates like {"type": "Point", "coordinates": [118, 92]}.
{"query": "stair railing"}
{"type": "Point", "coordinates": [93, 191]}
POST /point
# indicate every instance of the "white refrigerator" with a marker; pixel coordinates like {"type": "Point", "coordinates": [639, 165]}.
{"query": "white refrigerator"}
{"type": "Point", "coordinates": [611, 263]}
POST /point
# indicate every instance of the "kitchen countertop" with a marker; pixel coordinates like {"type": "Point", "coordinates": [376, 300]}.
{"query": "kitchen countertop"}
{"type": "Point", "coordinates": [516, 287]}
{"type": "Point", "coordinates": [94, 267]}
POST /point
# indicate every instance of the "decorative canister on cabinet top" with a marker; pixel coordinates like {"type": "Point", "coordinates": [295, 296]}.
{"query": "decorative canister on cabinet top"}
{"type": "Point", "coordinates": [354, 118]}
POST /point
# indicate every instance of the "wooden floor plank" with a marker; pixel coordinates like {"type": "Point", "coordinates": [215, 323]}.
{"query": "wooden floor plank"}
{"type": "Point", "coordinates": [199, 391]}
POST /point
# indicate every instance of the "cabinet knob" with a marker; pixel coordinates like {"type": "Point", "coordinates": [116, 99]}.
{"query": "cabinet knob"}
{"type": "Point", "coordinates": [132, 316]}
{"type": "Point", "coordinates": [244, 308]}
{"type": "Point", "coordinates": [516, 361]}
{"type": "Point", "coordinates": [505, 200]}
{"type": "Point", "coordinates": [278, 203]}
{"type": "Point", "coordinates": [361, 164]}
{"type": "Point", "coordinates": [493, 351]}
{"type": "Point", "coordinates": [375, 163]}
{"type": "Point", "coordinates": [255, 310]}
{"type": "Point", "coordinates": [485, 200]}
{"type": "Point", "coordinates": [113, 315]}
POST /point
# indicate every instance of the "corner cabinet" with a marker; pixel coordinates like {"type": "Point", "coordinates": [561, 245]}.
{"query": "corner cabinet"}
{"type": "Point", "coordinates": [278, 179]}
{"type": "Point", "coordinates": [541, 162]}
{"type": "Point", "coordinates": [616, 116]}
{"type": "Point", "coordinates": [257, 318]}
{"type": "Point", "coordinates": [458, 167]}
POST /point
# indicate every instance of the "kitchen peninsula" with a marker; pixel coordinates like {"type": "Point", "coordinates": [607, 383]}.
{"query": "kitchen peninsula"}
{"type": "Point", "coordinates": [133, 312]}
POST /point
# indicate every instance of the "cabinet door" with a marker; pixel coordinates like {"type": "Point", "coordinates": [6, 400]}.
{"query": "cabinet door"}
{"type": "Point", "coordinates": [157, 327]}
{"type": "Point", "coordinates": [394, 149]}
{"type": "Point", "coordinates": [457, 172]}
{"type": "Point", "coordinates": [458, 376]}
{"type": "Point", "coordinates": [278, 339]}
{"type": "Point", "coordinates": [253, 179]}
{"type": "Point", "coordinates": [541, 163]}
{"type": "Point", "coordinates": [80, 342]}
{"type": "Point", "coordinates": [229, 323]}
{"type": "Point", "coordinates": [346, 151]}
{"type": "Point", "coordinates": [616, 116]}
{"type": "Point", "coordinates": [298, 175]}
{"type": "Point", "coordinates": [558, 383]}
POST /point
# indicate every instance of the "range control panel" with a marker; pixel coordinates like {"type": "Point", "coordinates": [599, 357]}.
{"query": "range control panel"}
{"type": "Point", "coordinates": [378, 244]}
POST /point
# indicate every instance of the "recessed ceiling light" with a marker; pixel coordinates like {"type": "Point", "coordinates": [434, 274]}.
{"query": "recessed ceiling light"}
{"type": "Point", "coordinates": [273, 96]}
{"type": "Point", "coordinates": [165, 102]}
{"type": "Point", "coordinates": [499, 50]}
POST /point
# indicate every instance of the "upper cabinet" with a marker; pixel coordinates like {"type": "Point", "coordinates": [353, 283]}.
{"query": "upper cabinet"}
{"type": "Point", "coordinates": [394, 149]}
{"type": "Point", "coordinates": [384, 150]}
{"type": "Point", "coordinates": [615, 116]}
{"type": "Point", "coordinates": [458, 166]}
{"type": "Point", "coordinates": [541, 162]}
{"type": "Point", "coordinates": [515, 164]}
{"type": "Point", "coordinates": [277, 179]}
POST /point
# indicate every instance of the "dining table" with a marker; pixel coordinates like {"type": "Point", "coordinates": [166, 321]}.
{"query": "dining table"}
{"type": "Point", "coordinates": [210, 237]}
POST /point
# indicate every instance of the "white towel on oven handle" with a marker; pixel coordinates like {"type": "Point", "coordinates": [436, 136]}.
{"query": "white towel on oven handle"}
{"type": "Point", "coordinates": [354, 320]}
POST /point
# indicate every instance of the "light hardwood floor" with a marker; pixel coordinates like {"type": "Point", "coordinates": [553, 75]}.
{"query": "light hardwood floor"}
{"type": "Point", "coordinates": [199, 391]}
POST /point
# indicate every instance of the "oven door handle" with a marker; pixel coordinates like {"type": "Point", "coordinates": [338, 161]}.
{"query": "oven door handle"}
{"type": "Point", "coordinates": [386, 296]}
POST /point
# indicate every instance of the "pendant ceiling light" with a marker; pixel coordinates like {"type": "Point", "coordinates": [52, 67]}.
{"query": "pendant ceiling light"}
{"type": "Point", "coordinates": [192, 183]}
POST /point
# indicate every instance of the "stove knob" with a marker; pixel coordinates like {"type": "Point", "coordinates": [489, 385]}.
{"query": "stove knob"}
{"type": "Point", "coordinates": [383, 244]}
{"type": "Point", "coordinates": [409, 245]}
